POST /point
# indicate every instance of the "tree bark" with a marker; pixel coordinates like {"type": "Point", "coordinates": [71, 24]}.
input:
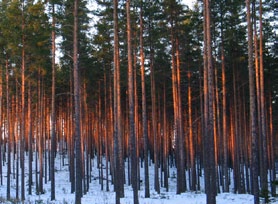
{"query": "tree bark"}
{"type": "Point", "coordinates": [53, 116]}
{"type": "Point", "coordinates": [8, 133]}
{"type": "Point", "coordinates": [22, 128]}
{"type": "Point", "coordinates": [144, 106]}
{"type": "Point", "coordinates": [262, 107]}
{"type": "Point", "coordinates": [254, 135]}
{"type": "Point", "coordinates": [118, 170]}
{"type": "Point", "coordinates": [30, 143]}
{"type": "Point", "coordinates": [209, 143]}
{"type": "Point", "coordinates": [132, 135]}
{"type": "Point", "coordinates": [76, 90]}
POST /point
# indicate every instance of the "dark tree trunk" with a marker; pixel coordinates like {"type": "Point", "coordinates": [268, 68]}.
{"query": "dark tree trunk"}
{"type": "Point", "coordinates": [76, 91]}
{"type": "Point", "coordinates": [132, 135]}
{"type": "Point", "coordinates": [8, 134]}
{"type": "Point", "coordinates": [254, 134]}
{"type": "Point", "coordinates": [53, 116]}
{"type": "Point", "coordinates": [154, 124]}
{"type": "Point", "coordinates": [30, 144]}
{"type": "Point", "coordinates": [209, 143]}
{"type": "Point", "coordinates": [22, 128]}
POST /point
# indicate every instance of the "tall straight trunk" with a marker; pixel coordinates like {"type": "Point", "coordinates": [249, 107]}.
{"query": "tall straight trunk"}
{"type": "Point", "coordinates": [15, 121]}
{"type": "Point", "coordinates": [180, 135]}
{"type": "Point", "coordinates": [132, 135]}
{"type": "Point", "coordinates": [53, 117]}
{"type": "Point", "coordinates": [111, 129]}
{"type": "Point", "coordinates": [30, 143]}
{"type": "Point", "coordinates": [76, 91]}
{"type": "Point", "coordinates": [45, 141]}
{"type": "Point", "coordinates": [191, 139]}
{"type": "Point", "coordinates": [136, 108]}
{"type": "Point", "coordinates": [254, 139]}
{"type": "Point", "coordinates": [22, 128]}
{"type": "Point", "coordinates": [154, 124]}
{"type": "Point", "coordinates": [36, 152]}
{"type": "Point", "coordinates": [85, 142]}
{"type": "Point", "coordinates": [144, 106]}
{"type": "Point", "coordinates": [224, 123]}
{"type": "Point", "coordinates": [210, 174]}
{"type": "Point", "coordinates": [272, 149]}
{"type": "Point", "coordinates": [177, 128]}
{"type": "Point", "coordinates": [225, 174]}
{"type": "Point", "coordinates": [165, 142]}
{"type": "Point", "coordinates": [119, 166]}
{"type": "Point", "coordinates": [40, 134]}
{"type": "Point", "coordinates": [70, 132]}
{"type": "Point", "coordinates": [217, 138]}
{"type": "Point", "coordinates": [204, 102]}
{"type": "Point", "coordinates": [262, 168]}
{"type": "Point", "coordinates": [8, 133]}
{"type": "Point", "coordinates": [262, 108]}
{"type": "Point", "coordinates": [107, 126]}
{"type": "Point", "coordinates": [235, 131]}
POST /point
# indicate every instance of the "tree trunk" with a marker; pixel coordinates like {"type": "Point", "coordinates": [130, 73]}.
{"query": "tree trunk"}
{"type": "Point", "coordinates": [144, 106]}
{"type": "Point", "coordinates": [191, 139]}
{"type": "Point", "coordinates": [53, 116]}
{"type": "Point", "coordinates": [165, 141]}
{"type": "Point", "coordinates": [30, 143]}
{"type": "Point", "coordinates": [254, 139]}
{"type": "Point", "coordinates": [132, 135]}
{"type": "Point", "coordinates": [8, 134]}
{"type": "Point", "coordinates": [210, 174]}
{"type": "Point", "coordinates": [154, 124]}
{"type": "Point", "coordinates": [119, 166]}
{"type": "Point", "coordinates": [224, 122]}
{"type": "Point", "coordinates": [272, 149]}
{"type": "Point", "coordinates": [22, 128]}
{"type": "Point", "coordinates": [76, 90]}
{"type": "Point", "coordinates": [262, 109]}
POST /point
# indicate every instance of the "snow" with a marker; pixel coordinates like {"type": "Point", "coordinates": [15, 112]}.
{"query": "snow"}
{"type": "Point", "coordinates": [96, 196]}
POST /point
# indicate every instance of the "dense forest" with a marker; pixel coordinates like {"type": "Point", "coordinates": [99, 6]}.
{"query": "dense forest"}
{"type": "Point", "coordinates": [140, 82]}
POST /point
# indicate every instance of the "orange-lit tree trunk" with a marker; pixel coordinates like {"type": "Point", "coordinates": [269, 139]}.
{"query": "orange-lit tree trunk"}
{"type": "Point", "coordinates": [144, 106]}
{"type": "Point", "coordinates": [191, 139]}
{"type": "Point", "coordinates": [118, 151]}
{"type": "Point", "coordinates": [224, 121]}
{"type": "Point", "coordinates": [262, 107]}
{"type": "Point", "coordinates": [180, 135]}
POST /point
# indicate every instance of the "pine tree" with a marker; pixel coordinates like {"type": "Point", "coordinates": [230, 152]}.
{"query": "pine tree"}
{"type": "Point", "coordinates": [253, 130]}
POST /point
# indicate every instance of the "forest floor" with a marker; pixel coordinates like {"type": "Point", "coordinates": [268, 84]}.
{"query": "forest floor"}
{"type": "Point", "coordinates": [97, 196]}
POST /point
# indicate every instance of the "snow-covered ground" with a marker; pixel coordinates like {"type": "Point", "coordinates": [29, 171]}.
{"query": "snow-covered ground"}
{"type": "Point", "coordinates": [96, 196]}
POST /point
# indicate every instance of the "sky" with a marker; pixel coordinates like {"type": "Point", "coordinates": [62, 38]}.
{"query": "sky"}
{"type": "Point", "coordinates": [189, 2]}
